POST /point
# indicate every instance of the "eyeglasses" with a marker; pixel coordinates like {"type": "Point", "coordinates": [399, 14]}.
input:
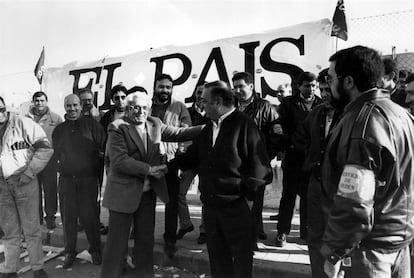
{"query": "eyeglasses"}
{"type": "Point", "coordinates": [2, 109]}
{"type": "Point", "coordinates": [138, 108]}
{"type": "Point", "coordinates": [117, 98]}
{"type": "Point", "coordinates": [329, 78]}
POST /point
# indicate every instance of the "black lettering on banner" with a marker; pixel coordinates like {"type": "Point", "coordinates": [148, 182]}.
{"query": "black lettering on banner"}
{"type": "Point", "coordinates": [270, 65]}
{"type": "Point", "coordinates": [249, 57]}
{"type": "Point", "coordinates": [77, 74]}
{"type": "Point", "coordinates": [98, 71]}
{"type": "Point", "coordinates": [108, 86]}
{"type": "Point", "coordinates": [187, 66]}
{"type": "Point", "coordinates": [217, 57]}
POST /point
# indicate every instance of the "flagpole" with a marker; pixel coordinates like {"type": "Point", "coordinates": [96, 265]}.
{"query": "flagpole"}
{"type": "Point", "coordinates": [336, 44]}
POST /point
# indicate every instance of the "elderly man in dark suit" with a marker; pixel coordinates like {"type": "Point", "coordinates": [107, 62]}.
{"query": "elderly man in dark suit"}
{"type": "Point", "coordinates": [232, 164]}
{"type": "Point", "coordinates": [136, 176]}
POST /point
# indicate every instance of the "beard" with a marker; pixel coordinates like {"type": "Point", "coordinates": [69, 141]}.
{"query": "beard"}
{"type": "Point", "coordinates": [343, 100]}
{"type": "Point", "coordinates": [162, 97]}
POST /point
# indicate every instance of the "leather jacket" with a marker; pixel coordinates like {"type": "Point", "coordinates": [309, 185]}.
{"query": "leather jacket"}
{"type": "Point", "coordinates": [376, 134]}
{"type": "Point", "coordinates": [292, 114]}
{"type": "Point", "coordinates": [265, 116]}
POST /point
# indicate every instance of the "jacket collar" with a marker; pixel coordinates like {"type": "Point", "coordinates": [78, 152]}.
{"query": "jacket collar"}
{"type": "Point", "coordinates": [368, 95]}
{"type": "Point", "coordinates": [152, 135]}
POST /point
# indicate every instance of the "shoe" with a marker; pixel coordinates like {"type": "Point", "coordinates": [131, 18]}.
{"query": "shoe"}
{"type": "Point", "coordinates": [96, 258]}
{"type": "Point", "coordinates": [169, 248]}
{"type": "Point", "coordinates": [69, 260]}
{"type": "Point", "coordinates": [8, 275]}
{"type": "Point", "coordinates": [103, 230]}
{"type": "Point", "coordinates": [262, 236]}
{"type": "Point", "coordinates": [202, 239]}
{"type": "Point", "coordinates": [281, 240]}
{"type": "Point", "coordinates": [274, 217]}
{"type": "Point", "coordinates": [182, 232]}
{"type": "Point", "coordinates": [51, 225]}
{"type": "Point", "coordinates": [40, 274]}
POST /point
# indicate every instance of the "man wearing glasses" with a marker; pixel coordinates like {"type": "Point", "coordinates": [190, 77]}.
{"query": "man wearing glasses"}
{"type": "Point", "coordinates": [136, 177]}
{"type": "Point", "coordinates": [367, 173]}
{"type": "Point", "coordinates": [25, 151]}
{"type": "Point", "coordinates": [118, 95]}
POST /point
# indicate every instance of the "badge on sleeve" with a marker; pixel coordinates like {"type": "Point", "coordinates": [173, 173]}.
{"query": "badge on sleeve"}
{"type": "Point", "coordinates": [357, 183]}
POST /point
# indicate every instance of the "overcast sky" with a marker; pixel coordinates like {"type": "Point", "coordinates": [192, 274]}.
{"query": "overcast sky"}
{"type": "Point", "coordinates": [89, 30]}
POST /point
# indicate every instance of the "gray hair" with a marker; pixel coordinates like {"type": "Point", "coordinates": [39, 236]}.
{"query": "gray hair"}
{"type": "Point", "coordinates": [138, 95]}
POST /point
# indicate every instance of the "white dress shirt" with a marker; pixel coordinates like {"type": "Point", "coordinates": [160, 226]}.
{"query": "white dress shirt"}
{"type": "Point", "coordinates": [216, 126]}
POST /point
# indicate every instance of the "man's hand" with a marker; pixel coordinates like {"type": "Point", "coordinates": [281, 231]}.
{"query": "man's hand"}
{"type": "Point", "coordinates": [158, 171]}
{"type": "Point", "coordinates": [24, 179]}
{"type": "Point", "coordinates": [333, 270]}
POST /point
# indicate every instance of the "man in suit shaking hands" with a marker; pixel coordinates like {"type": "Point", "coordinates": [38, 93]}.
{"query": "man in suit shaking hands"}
{"type": "Point", "coordinates": [232, 163]}
{"type": "Point", "coordinates": [136, 177]}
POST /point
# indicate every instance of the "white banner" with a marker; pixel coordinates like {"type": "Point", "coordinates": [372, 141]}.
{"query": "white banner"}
{"type": "Point", "coordinates": [272, 57]}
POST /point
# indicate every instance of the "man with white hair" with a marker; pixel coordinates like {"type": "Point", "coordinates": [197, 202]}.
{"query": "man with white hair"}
{"type": "Point", "coordinates": [136, 177]}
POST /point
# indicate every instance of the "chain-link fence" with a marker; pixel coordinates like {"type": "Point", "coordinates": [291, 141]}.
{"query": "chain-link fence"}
{"type": "Point", "coordinates": [391, 34]}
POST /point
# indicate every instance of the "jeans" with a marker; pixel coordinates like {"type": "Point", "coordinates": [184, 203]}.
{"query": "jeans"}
{"type": "Point", "coordinates": [183, 211]}
{"type": "Point", "coordinates": [78, 199]}
{"type": "Point", "coordinates": [19, 210]}
{"type": "Point", "coordinates": [367, 263]}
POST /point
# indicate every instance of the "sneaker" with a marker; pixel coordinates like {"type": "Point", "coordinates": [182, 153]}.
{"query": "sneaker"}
{"type": "Point", "coordinates": [8, 275]}
{"type": "Point", "coordinates": [202, 239]}
{"type": "Point", "coordinates": [96, 258]}
{"type": "Point", "coordinates": [69, 260]}
{"type": "Point", "coordinates": [40, 274]}
{"type": "Point", "coordinates": [182, 232]}
{"type": "Point", "coordinates": [281, 240]}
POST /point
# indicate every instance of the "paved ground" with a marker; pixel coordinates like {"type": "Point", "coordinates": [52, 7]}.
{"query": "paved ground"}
{"type": "Point", "coordinates": [269, 261]}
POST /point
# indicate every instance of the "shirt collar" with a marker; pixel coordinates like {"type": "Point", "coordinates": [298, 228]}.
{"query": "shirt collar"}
{"type": "Point", "coordinates": [222, 117]}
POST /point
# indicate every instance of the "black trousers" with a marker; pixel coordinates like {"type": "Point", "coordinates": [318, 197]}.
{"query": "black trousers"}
{"type": "Point", "coordinates": [78, 199]}
{"type": "Point", "coordinates": [47, 180]}
{"type": "Point", "coordinates": [257, 211]}
{"type": "Point", "coordinates": [117, 240]}
{"type": "Point", "coordinates": [295, 182]}
{"type": "Point", "coordinates": [230, 233]}
{"type": "Point", "coordinates": [171, 208]}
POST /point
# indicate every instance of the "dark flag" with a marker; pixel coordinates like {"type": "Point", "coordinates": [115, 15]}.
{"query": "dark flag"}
{"type": "Point", "coordinates": [339, 28]}
{"type": "Point", "coordinates": [38, 71]}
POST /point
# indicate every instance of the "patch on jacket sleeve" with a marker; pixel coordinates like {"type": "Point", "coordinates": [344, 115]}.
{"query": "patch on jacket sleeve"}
{"type": "Point", "coordinates": [357, 183]}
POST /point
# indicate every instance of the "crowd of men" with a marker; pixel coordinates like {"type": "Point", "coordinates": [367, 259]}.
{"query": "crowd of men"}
{"type": "Point", "coordinates": [347, 152]}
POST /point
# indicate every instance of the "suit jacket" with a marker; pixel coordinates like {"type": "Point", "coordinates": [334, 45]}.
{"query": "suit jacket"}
{"type": "Point", "coordinates": [129, 162]}
{"type": "Point", "coordinates": [234, 167]}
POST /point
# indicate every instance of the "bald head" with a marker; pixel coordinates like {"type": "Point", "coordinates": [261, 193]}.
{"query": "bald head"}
{"type": "Point", "coordinates": [72, 107]}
